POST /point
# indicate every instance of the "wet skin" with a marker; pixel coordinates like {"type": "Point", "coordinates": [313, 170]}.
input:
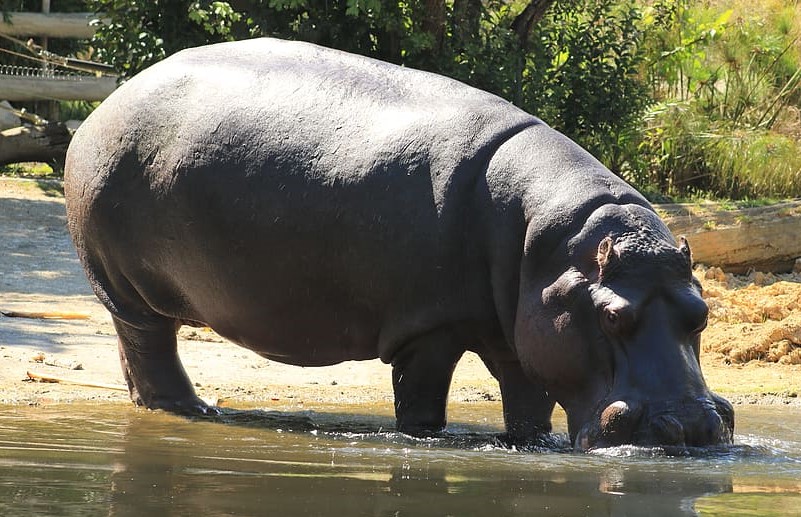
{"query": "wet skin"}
{"type": "Point", "coordinates": [317, 207]}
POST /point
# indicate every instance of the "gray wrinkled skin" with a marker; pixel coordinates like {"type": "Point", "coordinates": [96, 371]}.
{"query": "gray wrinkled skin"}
{"type": "Point", "coordinates": [317, 207]}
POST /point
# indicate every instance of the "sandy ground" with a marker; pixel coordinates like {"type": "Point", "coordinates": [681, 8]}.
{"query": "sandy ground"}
{"type": "Point", "coordinates": [749, 347]}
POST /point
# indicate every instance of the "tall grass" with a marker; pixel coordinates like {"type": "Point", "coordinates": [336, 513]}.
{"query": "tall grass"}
{"type": "Point", "coordinates": [727, 80]}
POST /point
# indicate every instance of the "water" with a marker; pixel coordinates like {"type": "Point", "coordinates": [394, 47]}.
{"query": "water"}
{"type": "Point", "coordinates": [341, 461]}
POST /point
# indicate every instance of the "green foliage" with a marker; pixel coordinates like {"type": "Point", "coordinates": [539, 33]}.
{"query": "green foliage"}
{"type": "Point", "coordinates": [582, 76]}
{"type": "Point", "coordinates": [27, 170]}
{"type": "Point", "coordinates": [692, 155]}
{"type": "Point", "coordinates": [134, 34]}
{"type": "Point", "coordinates": [728, 85]}
{"type": "Point", "coordinates": [679, 97]}
{"type": "Point", "coordinates": [579, 73]}
{"type": "Point", "coordinates": [484, 54]}
{"type": "Point", "coordinates": [216, 18]}
{"type": "Point", "coordinates": [75, 110]}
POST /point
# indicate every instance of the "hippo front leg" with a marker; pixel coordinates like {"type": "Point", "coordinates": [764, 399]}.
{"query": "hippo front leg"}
{"type": "Point", "coordinates": [527, 408]}
{"type": "Point", "coordinates": [421, 378]}
{"type": "Point", "coordinates": [156, 379]}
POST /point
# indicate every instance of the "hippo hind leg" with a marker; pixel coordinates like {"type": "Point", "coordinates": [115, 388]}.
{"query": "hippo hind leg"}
{"type": "Point", "coordinates": [156, 379]}
{"type": "Point", "coordinates": [421, 378]}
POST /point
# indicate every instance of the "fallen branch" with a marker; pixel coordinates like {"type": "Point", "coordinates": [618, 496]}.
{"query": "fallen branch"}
{"type": "Point", "coordinates": [37, 377]}
{"type": "Point", "coordinates": [46, 315]}
{"type": "Point", "coordinates": [47, 143]}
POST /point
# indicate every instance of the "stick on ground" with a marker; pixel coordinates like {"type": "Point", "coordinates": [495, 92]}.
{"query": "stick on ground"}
{"type": "Point", "coordinates": [46, 315]}
{"type": "Point", "coordinates": [38, 377]}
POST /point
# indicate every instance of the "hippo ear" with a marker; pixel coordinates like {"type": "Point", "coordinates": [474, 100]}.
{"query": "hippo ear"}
{"type": "Point", "coordinates": [606, 253]}
{"type": "Point", "coordinates": [684, 247]}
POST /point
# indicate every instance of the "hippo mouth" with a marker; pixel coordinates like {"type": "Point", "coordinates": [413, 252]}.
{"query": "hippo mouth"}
{"type": "Point", "coordinates": [701, 422]}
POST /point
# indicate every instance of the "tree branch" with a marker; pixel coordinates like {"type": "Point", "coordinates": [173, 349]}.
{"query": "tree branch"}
{"type": "Point", "coordinates": [529, 17]}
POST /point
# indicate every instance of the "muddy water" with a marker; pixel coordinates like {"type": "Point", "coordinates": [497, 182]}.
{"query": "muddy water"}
{"type": "Point", "coordinates": [343, 461]}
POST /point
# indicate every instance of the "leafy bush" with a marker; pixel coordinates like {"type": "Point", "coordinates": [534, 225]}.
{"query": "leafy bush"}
{"type": "Point", "coordinates": [680, 97]}
{"type": "Point", "coordinates": [136, 34]}
{"type": "Point", "coordinates": [728, 80]}
{"type": "Point", "coordinates": [577, 68]}
{"type": "Point", "coordinates": [582, 75]}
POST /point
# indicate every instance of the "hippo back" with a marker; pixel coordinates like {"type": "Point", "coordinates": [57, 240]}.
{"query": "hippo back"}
{"type": "Point", "coordinates": [328, 194]}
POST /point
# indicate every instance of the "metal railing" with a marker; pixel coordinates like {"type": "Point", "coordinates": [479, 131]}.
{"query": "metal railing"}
{"type": "Point", "coordinates": [41, 73]}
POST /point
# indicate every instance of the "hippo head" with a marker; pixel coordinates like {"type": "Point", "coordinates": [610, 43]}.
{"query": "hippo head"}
{"type": "Point", "coordinates": [614, 335]}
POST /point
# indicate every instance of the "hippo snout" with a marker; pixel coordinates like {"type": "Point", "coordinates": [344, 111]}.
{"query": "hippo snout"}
{"type": "Point", "coordinates": [616, 425]}
{"type": "Point", "coordinates": [700, 423]}
{"type": "Point", "coordinates": [696, 423]}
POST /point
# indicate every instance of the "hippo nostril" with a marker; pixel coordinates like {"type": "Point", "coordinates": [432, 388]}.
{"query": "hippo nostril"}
{"type": "Point", "coordinates": [614, 413]}
{"type": "Point", "coordinates": [618, 421]}
{"type": "Point", "coordinates": [667, 430]}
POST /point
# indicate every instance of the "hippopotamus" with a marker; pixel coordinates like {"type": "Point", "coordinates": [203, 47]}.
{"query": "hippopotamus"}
{"type": "Point", "coordinates": [316, 207]}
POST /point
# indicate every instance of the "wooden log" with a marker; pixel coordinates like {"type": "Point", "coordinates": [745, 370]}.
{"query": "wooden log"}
{"type": "Point", "coordinates": [52, 25]}
{"type": "Point", "coordinates": [766, 238]}
{"type": "Point", "coordinates": [78, 88]}
{"type": "Point", "coordinates": [34, 144]}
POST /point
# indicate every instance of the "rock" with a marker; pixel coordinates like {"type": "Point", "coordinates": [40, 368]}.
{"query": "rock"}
{"type": "Point", "coordinates": [8, 119]}
{"type": "Point", "coordinates": [72, 125]}
{"type": "Point", "coordinates": [715, 273]}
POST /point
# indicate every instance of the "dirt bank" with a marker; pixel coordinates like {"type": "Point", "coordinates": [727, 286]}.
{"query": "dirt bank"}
{"type": "Point", "coordinates": [750, 348]}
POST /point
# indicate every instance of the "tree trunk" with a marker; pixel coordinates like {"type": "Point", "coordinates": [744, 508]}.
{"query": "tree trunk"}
{"type": "Point", "coordinates": [35, 144]}
{"type": "Point", "coordinates": [764, 238]}
{"type": "Point", "coordinates": [53, 25]}
{"type": "Point", "coordinates": [466, 20]}
{"type": "Point", "coordinates": [434, 24]}
{"type": "Point", "coordinates": [528, 18]}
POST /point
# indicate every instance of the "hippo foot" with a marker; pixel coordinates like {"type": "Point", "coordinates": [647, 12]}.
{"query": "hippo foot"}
{"type": "Point", "coordinates": [538, 440]}
{"type": "Point", "coordinates": [420, 431]}
{"type": "Point", "coordinates": [193, 407]}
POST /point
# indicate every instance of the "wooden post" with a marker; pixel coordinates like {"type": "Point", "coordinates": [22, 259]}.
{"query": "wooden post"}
{"type": "Point", "coordinates": [85, 88]}
{"type": "Point", "coordinates": [49, 108]}
{"type": "Point", "coordinates": [53, 25]}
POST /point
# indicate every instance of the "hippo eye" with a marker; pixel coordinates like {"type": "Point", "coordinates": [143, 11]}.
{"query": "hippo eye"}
{"type": "Point", "coordinates": [699, 327]}
{"type": "Point", "coordinates": [615, 320]}
{"type": "Point", "coordinates": [696, 312]}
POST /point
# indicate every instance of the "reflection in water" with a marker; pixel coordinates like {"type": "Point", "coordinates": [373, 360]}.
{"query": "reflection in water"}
{"type": "Point", "coordinates": [114, 460]}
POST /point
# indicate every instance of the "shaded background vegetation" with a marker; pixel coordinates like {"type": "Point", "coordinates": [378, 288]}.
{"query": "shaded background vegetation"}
{"type": "Point", "coordinates": [680, 97]}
